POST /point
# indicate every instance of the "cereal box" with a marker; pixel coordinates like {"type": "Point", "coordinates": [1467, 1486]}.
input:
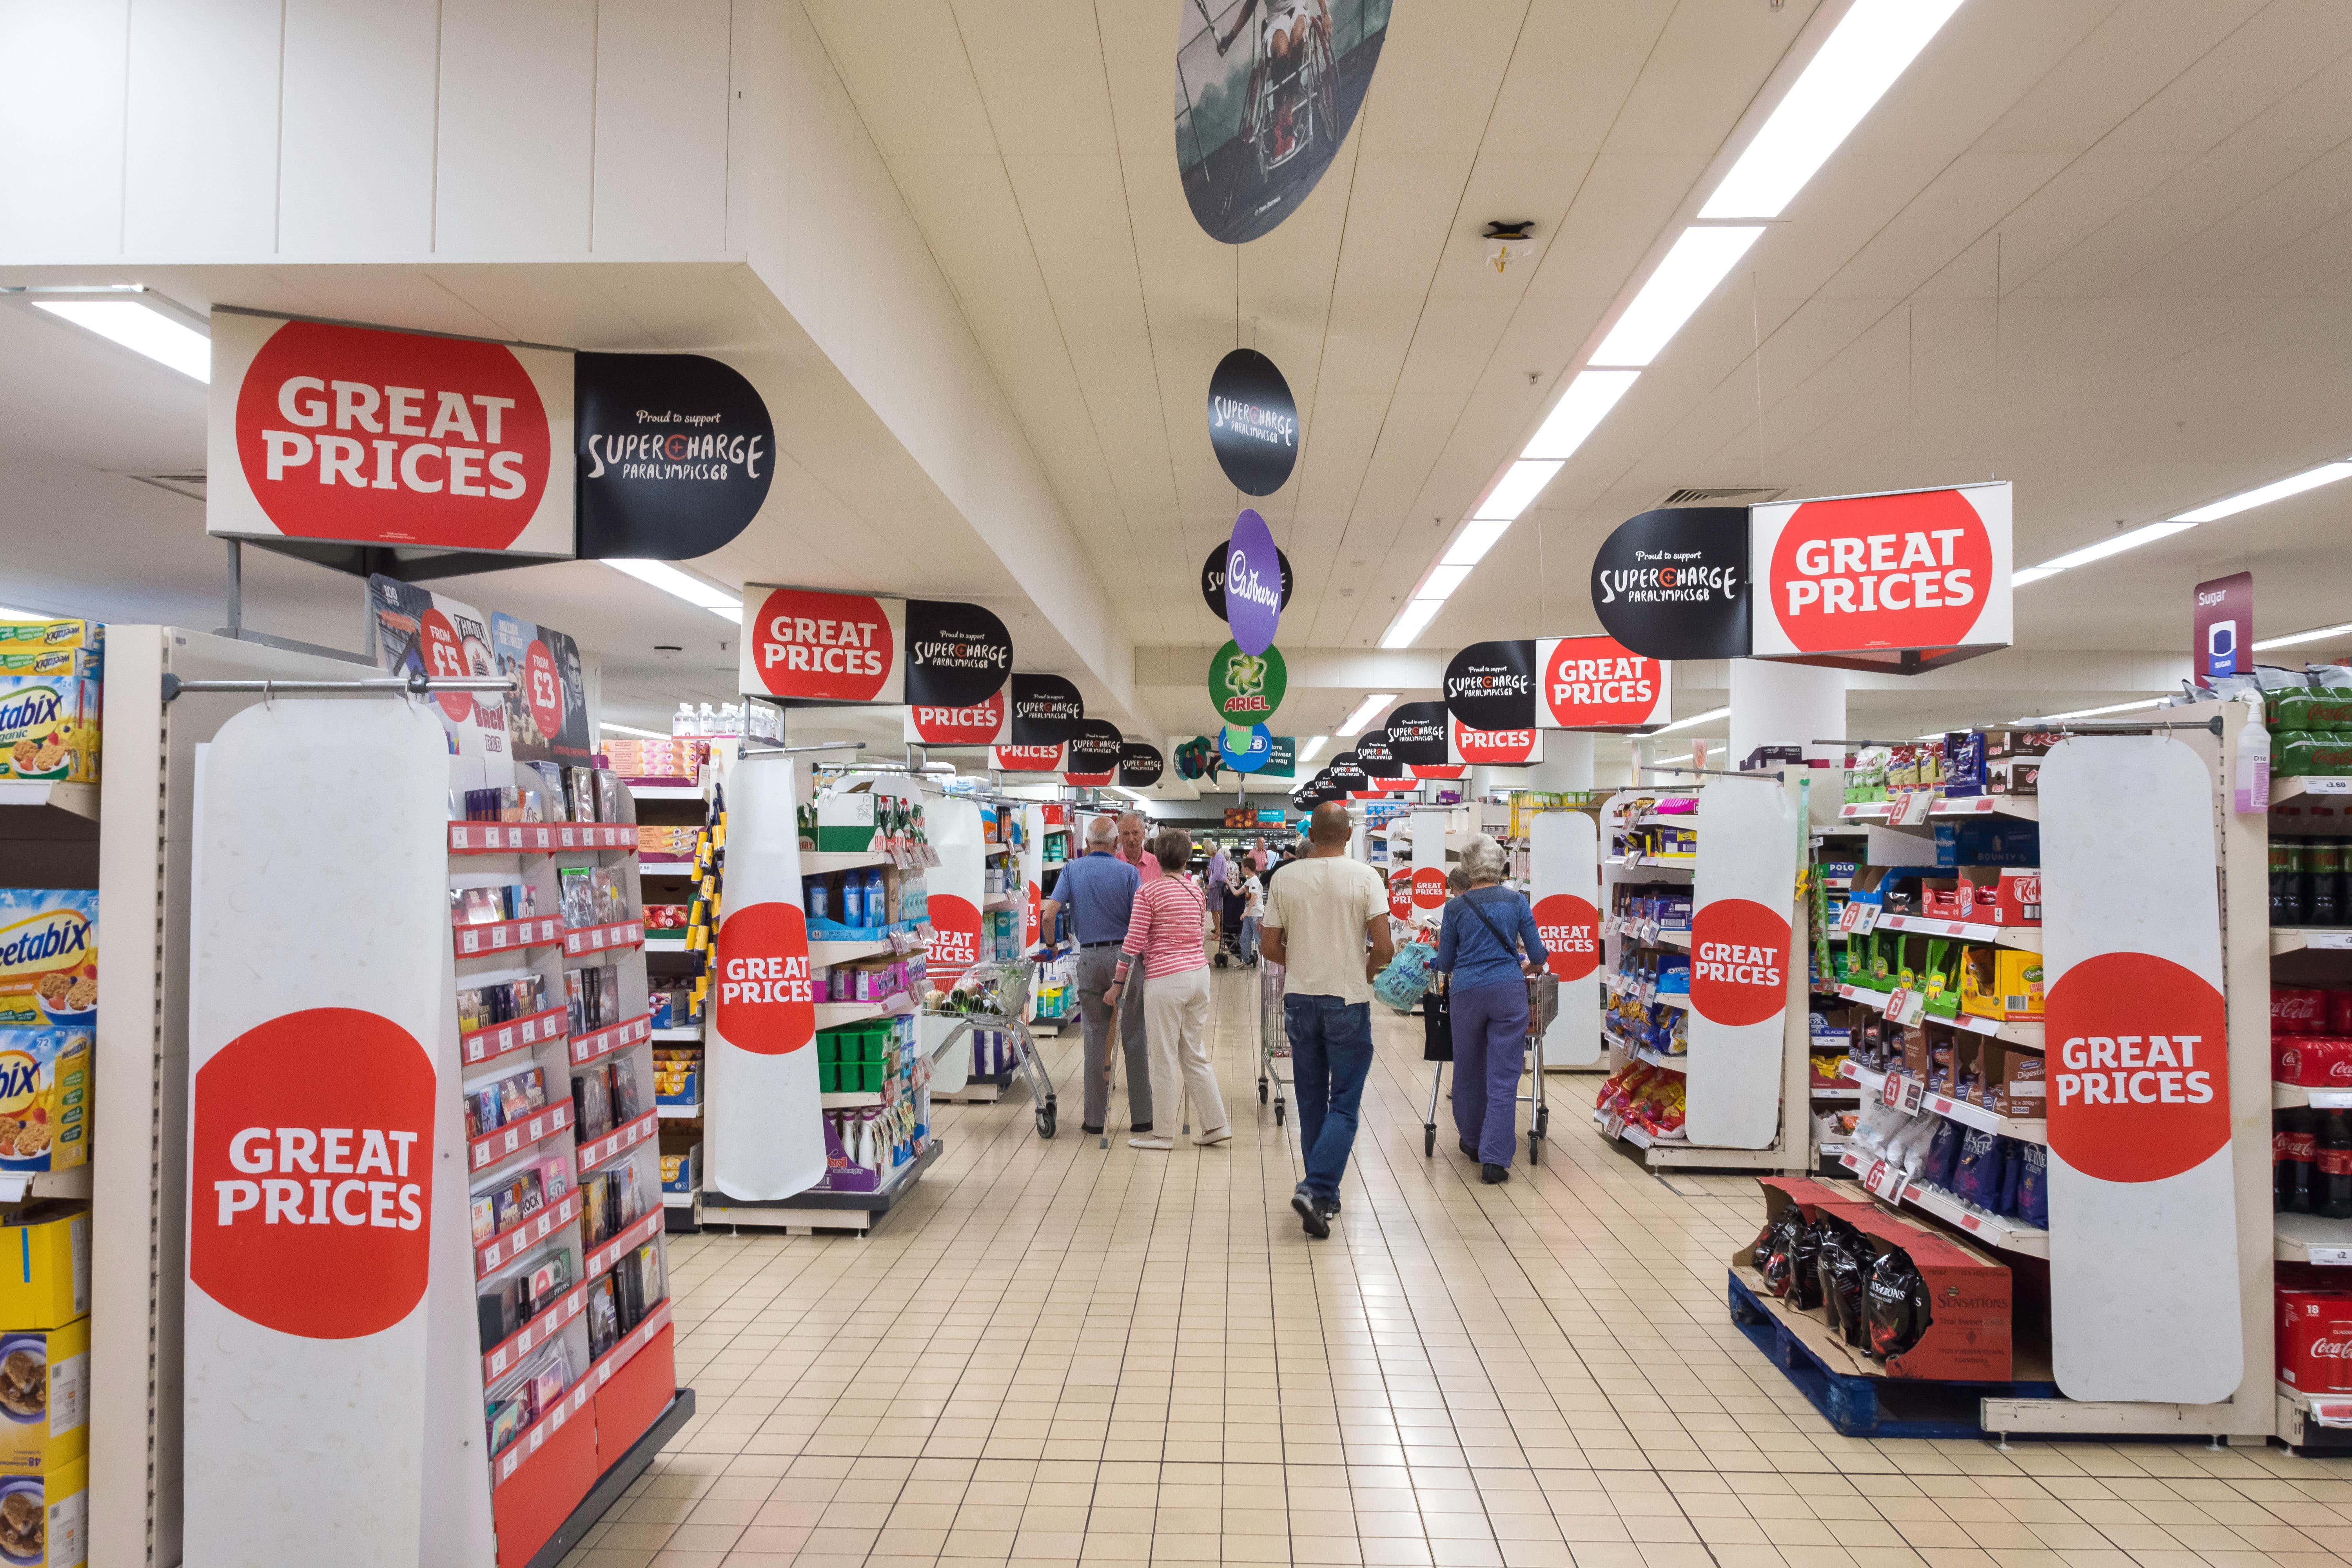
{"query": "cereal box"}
{"type": "Point", "coordinates": [44, 1398]}
{"type": "Point", "coordinates": [48, 958]}
{"type": "Point", "coordinates": [45, 1099]}
{"type": "Point", "coordinates": [16, 636]}
{"type": "Point", "coordinates": [44, 1519]}
{"type": "Point", "coordinates": [48, 727]}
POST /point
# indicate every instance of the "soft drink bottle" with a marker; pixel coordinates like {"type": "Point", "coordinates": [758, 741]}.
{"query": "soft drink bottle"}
{"type": "Point", "coordinates": [2334, 1192]}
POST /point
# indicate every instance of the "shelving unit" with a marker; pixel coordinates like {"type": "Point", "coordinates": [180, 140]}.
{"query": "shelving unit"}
{"type": "Point", "coordinates": [1888, 1186]}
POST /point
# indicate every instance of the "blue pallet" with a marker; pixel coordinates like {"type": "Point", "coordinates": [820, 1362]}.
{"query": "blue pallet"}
{"type": "Point", "coordinates": [1872, 1407]}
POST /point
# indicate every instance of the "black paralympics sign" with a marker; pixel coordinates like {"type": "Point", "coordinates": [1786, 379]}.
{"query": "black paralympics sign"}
{"type": "Point", "coordinates": [1492, 686]}
{"type": "Point", "coordinates": [1140, 764]}
{"type": "Point", "coordinates": [676, 452]}
{"type": "Point", "coordinates": [1213, 580]}
{"type": "Point", "coordinates": [1096, 747]}
{"type": "Point", "coordinates": [1345, 773]}
{"type": "Point", "coordinates": [1253, 422]}
{"type": "Point", "coordinates": [1674, 584]}
{"type": "Point", "coordinates": [1416, 734]}
{"type": "Point", "coordinates": [1047, 709]}
{"type": "Point", "coordinates": [1373, 755]}
{"type": "Point", "coordinates": [958, 656]}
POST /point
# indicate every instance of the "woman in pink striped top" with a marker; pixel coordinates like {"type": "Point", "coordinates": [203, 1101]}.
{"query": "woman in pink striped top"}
{"type": "Point", "coordinates": [1164, 935]}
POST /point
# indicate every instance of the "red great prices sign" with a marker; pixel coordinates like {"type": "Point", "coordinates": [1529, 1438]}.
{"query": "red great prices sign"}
{"type": "Point", "coordinates": [1597, 683]}
{"type": "Point", "coordinates": [767, 1002]}
{"type": "Point", "coordinates": [1571, 929]}
{"type": "Point", "coordinates": [2139, 1084]}
{"type": "Point", "coordinates": [1739, 962]}
{"type": "Point", "coordinates": [824, 648]}
{"type": "Point", "coordinates": [356, 435]}
{"type": "Point", "coordinates": [1920, 571]}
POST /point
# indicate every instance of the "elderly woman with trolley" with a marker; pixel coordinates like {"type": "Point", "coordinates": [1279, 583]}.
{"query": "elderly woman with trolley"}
{"type": "Point", "coordinates": [1486, 947]}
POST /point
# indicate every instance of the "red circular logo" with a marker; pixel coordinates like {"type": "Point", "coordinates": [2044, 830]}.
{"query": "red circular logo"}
{"type": "Point", "coordinates": [766, 1005]}
{"type": "Point", "coordinates": [445, 658]}
{"type": "Point", "coordinates": [1028, 759]}
{"type": "Point", "coordinates": [1401, 894]}
{"type": "Point", "coordinates": [311, 1191]}
{"type": "Point", "coordinates": [542, 689]}
{"type": "Point", "coordinates": [1739, 963]}
{"type": "Point", "coordinates": [1596, 683]}
{"type": "Point", "coordinates": [1903, 571]}
{"type": "Point", "coordinates": [833, 647]}
{"type": "Point", "coordinates": [1492, 748]}
{"type": "Point", "coordinates": [955, 938]}
{"type": "Point", "coordinates": [978, 725]}
{"type": "Point", "coordinates": [392, 438]}
{"type": "Point", "coordinates": [1570, 929]}
{"type": "Point", "coordinates": [1428, 887]}
{"type": "Point", "coordinates": [2140, 1073]}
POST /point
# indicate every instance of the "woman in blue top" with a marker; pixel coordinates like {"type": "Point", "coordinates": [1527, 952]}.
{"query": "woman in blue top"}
{"type": "Point", "coordinates": [1478, 947]}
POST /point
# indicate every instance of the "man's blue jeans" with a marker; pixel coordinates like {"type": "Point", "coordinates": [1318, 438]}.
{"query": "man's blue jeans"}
{"type": "Point", "coordinates": [1330, 1055]}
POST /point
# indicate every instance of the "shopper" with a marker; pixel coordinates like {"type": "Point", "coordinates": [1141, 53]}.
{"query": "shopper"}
{"type": "Point", "coordinates": [1478, 946]}
{"type": "Point", "coordinates": [1134, 827]}
{"type": "Point", "coordinates": [1163, 940]}
{"type": "Point", "coordinates": [1326, 922]}
{"type": "Point", "coordinates": [1212, 884]}
{"type": "Point", "coordinates": [1099, 890]}
{"type": "Point", "coordinates": [1250, 893]}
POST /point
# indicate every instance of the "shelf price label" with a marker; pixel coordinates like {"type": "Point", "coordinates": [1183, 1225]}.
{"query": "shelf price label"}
{"type": "Point", "coordinates": [2331, 1257]}
{"type": "Point", "coordinates": [1906, 1006]}
{"type": "Point", "coordinates": [1887, 1181]}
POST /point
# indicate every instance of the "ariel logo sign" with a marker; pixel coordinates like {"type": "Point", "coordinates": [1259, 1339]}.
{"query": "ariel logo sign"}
{"type": "Point", "coordinates": [1246, 686]}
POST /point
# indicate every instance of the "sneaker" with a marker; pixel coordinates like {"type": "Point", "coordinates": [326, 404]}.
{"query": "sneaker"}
{"type": "Point", "coordinates": [1311, 1217]}
{"type": "Point", "coordinates": [1490, 1174]}
{"type": "Point", "coordinates": [1331, 1207]}
{"type": "Point", "coordinates": [1222, 1135]}
{"type": "Point", "coordinates": [1151, 1142]}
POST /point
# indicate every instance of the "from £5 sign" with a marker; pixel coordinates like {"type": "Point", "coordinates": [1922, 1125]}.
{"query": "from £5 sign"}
{"type": "Point", "coordinates": [1740, 959]}
{"type": "Point", "coordinates": [806, 647]}
{"type": "Point", "coordinates": [362, 435]}
{"type": "Point", "coordinates": [1564, 872]}
{"type": "Point", "coordinates": [1875, 577]}
{"type": "Point", "coordinates": [320, 1201]}
{"type": "Point", "coordinates": [2140, 1163]}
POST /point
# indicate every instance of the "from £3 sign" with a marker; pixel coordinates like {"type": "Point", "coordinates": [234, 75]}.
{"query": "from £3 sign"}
{"type": "Point", "coordinates": [2140, 1162]}
{"type": "Point", "coordinates": [1920, 570]}
{"type": "Point", "coordinates": [1742, 902]}
{"type": "Point", "coordinates": [355, 434]}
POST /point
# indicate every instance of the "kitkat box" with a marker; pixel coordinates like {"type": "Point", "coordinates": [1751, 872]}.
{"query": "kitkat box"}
{"type": "Point", "coordinates": [2315, 1341]}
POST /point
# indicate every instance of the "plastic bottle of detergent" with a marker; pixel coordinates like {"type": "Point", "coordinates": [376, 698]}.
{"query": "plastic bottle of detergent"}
{"type": "Point", "coordinates": [852, 900]}
{"type": "Point", "coordinates": [878, 900]}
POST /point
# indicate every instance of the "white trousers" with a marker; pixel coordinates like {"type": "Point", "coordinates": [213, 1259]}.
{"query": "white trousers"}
{"type": "Point", "coordinates": [1176, 1019]}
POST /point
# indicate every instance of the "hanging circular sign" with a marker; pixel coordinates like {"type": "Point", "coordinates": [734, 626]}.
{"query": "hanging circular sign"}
{"type": "Point", "coordinates": [676, 452]}
{"type": "Point", "coordinates": [1254, 588]}
{"type": "Point", "coordinates": [1244, 750]}
{"type": "Point", "coordinates": [1252, 422]}
{"type": "Point", "coordinates": [1095, 749]}
{"type": "Point", "coordinates": [1140, 764]}
{"type": "Point", "coordinates": [1672, 583]}
{"type": "Point", "coordinates": [1047, 709]}
{"type": "Point", "coordinates": [1246, 688]}
{"type": "Point", "coordinates": [958, 656]}
{"type": "Point", "coordinates": [1907, 571]}
{"type": "Point", "coordinates": [1213, 580]}
{"type": "Point", "coordinates": [1492, 686]}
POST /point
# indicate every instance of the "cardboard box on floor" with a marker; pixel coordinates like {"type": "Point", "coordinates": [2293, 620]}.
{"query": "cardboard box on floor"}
{"type": "Point", "coordinates": [1968, 1331]}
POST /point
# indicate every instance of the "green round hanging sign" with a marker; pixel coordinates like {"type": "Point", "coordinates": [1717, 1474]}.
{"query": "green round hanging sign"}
{"type": "Point", "coordinates": [1246, 686]}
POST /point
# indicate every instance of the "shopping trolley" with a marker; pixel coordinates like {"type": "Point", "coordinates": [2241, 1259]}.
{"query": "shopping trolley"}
{"type": "Point", "coordinates": [1273, 1035]}
{"type": "Point", "coordinates": [996, 996]}
{"type": "Point", "coordinates": [1543, 1008]}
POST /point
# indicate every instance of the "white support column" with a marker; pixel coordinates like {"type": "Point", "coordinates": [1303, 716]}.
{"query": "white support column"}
{"type": "Point", "coordinates": [1782, 705]}
{"type": "Point", "coordinates": [1567, 764]}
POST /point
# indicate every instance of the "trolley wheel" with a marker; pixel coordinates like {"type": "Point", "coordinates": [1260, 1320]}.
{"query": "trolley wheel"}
{"type": "Point", "coordinates": [1045, 1120]}
{"type": "Point", "coordinates": [1261, 1090]}
{"type": "Point", "coordinates": [1543, 1121]}
{"type": "Point", "coordinates": [1277, 1113]}
{"type": "Point", "coordinates": [1429, 1141]}
{"type": "Point", "coordinates": [1535, 1148]}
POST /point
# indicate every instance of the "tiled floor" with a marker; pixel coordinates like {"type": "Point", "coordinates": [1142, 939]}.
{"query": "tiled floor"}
{"type": "Point", "coordinates": [1059, 1354]}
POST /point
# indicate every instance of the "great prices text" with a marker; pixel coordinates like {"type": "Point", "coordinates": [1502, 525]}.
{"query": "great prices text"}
{"type": "Point", "coordinates": [771, 979]}
{"type": "Point", "coordinates": [299, 1170]}
{"type": "Point", "coordinates": [1735, 964]}
{"type": "Point", "coordinates": [2133, 1069]}
{"type": "Point", "coordinates": [1865, 573]}
{"type": "Point", "coordinates": [832, 646]}
{"type": "Point", "coordinates": [426, 441]}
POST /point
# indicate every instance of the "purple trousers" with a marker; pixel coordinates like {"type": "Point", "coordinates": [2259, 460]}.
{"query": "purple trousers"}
{"type": "Point", "coordinates": [1490, 1046]}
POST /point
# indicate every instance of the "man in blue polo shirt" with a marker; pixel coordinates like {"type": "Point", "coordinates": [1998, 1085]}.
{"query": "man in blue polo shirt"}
{"type": "Point", "coordinates": [1098, 889]}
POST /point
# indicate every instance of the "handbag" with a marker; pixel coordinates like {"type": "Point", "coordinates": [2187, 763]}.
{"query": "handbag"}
{"type": "Point", "coordinates": [1401, 983]}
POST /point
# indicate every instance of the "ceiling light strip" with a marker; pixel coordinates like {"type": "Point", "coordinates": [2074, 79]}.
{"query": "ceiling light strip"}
{"type": "Point", "coordinates": [1364, 712]}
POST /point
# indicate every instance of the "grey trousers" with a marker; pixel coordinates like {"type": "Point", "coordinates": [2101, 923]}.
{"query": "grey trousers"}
{"type": "Point", "coordinates": [1097, 967]}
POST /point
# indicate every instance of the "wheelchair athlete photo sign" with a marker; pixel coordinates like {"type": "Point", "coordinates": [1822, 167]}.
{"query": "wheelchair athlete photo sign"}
{"type": "Point", "coordinates": [1266, 90]}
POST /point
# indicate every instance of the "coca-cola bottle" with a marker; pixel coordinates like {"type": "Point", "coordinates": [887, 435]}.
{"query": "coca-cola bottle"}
{"type": "Point", "coordinates": [2331, 1190]}
{"type": "Point", "coordinates": [2295, 1149]}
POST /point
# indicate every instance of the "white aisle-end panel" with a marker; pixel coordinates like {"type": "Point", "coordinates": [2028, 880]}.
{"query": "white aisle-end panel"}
{"type": "Point", "coordinates": [1563, 850]}
{"type": "Point", "coordinates": [326, 1151]}
{"type": "Point", "coordinates": [1742, 902]}
{"type": "Point", "coordinates": [763, 1122]}
{"type": "Point", "coordinates": [2140, 1181]}
{"type": "Point", "coordinates": [958, 888]}
{"type": "Point", "coordinates": [1428, 864]}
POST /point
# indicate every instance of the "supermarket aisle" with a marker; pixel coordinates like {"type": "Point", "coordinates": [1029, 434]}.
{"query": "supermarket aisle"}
{"type": "Point", "coordinates": [1061, 1354]}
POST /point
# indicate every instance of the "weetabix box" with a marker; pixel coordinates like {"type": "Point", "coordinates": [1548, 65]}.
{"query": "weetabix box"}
{"type": "Point", "coordinates": [49, 728]}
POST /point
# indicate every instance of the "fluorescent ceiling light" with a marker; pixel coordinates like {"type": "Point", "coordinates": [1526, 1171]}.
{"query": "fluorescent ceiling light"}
{"type": "Point", "coordinates": [2292, 639]}
{"type": "Point", "coordinates": [627, 730]}
{"type": "Point", "coordinates": [2095, 712]}
{"type": "Point", "coordinates": [1364, 712]}
{"type": "Point", "coordinates": [1581, 408]}
{"type": "Point", "coordinates": [1874, 44]}
{"type": "Point", "coordinates": [2031, 575]}
{"type": "Point", "coordinates": [685, 586]}
{"type": "Point", "coordinates": [2246, 501]}
{"type": "Point", "coordinates": [141, 328]}
{"type": "Point", "coordinates": [1314, 744]}
{"type": "Point", "coordinates": [9, 614]}
{"type": "Point", "coordinates": [1706, 718]}
{"type": "Point", "coordinates": [1520, 484]}
{"type": "Point", "coordinates": [1668, 762]}
{"type": "Point", "coordinates": [1476, 538]}
{"type": "Point", "coordinates": [1680, 286]}
{"type": "Point", "coordinates": [1410, 621]}
{"type": "Point", "coordinates": [1442, 582]}
{"type": "Point", "coordinates": [2132, 539]}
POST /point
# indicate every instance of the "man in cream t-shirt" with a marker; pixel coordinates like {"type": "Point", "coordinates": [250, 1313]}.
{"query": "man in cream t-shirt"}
{"type": "Point", "coordinates": [1327, 923]}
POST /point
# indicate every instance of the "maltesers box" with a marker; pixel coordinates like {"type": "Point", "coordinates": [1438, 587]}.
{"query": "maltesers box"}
{"type": "Point", "coordinates": [2315, 1341]}
{"type": "Point", "coordinates": [44, 1399]}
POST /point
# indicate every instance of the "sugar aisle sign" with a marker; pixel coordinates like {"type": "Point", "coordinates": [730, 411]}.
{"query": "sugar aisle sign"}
{"type": "Point", "coordinates": [2141, 1181]}
{"type": "Point", "coordinates": [1563, 857]}
{"type": "Point", "coordinates": [763, 1126]}
{"type": "Point", "coordinates": [318, 1194]}
{"type": "Point", "coordinates": [1741, 960]}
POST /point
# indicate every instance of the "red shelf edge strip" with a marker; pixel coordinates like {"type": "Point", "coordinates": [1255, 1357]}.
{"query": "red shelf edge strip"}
{"type": "Point", "coordinates": [475, 1048]}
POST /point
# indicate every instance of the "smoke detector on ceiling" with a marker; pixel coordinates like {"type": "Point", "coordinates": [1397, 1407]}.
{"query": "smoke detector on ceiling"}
{"type": "Point", "coordinates": [1731, 496]}
{"type": "Point", "coordinates": [1508, 241]}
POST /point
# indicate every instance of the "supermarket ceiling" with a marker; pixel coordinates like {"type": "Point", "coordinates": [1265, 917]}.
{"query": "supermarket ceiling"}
{"type": "Point", "coordinates": [2100, 247]}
